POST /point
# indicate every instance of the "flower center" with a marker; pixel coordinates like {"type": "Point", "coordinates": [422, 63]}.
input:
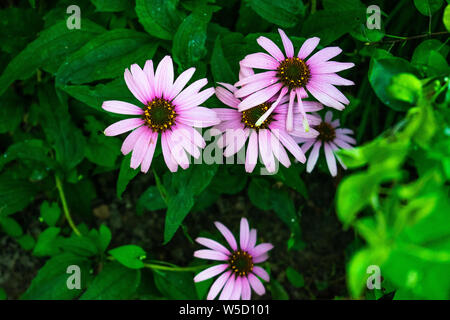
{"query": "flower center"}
{"type": "Point", "coordinates": [251, 116]}
{"type": "Point", "coordinates": [159, 114]}
{"type": "Point", "coordinates": [241, 262]}
{"type": "Point", "coordinates": [326, 132]}
{"type": "Point", "coordinates": [293, 72]}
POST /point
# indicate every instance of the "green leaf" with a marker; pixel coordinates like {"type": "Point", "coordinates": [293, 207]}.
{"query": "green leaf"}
{"type": "Point", "coordinates": [46, 244]}
{"type": "Point", "coordinates": [110, 5]}
{"type": "Point", "coordinates": [176, 285]}
{"type": "Point", "coordinates": [446, 17]}
{"type": "Point", "coordinates": [79, 245]}
{"type": "Point", "coordinates": [428, 7]}
{"type": "Point", "coordinates": [430, 57]}
{"type": "Point", "coordinates": [67, 140]}
{"type": "Point", "coordinates": [189, 42]}
{"type": "Point", "coordinates": [11, 112]}
{"type": "Point", "coordinates": [130, 256]}
{"type": "Point", "coordinates": [54, 45]}
{"type": "Point", "coordinates": [105, 237]}
{"type": "Point", "coordinates": [106, 56]}
{"type": "Point", "coordinates": [126, 174]}
{"type": "Point", "coordinates": [11, 227]}
{"type": "Point", "coordinates": [33, 150]}
{"type": "Point", "coordinates": [381, 72]}
{"type": "Point", "coordinates": [114, 282]}
{"type": "Point", "coordinates": [405, 87]}
{"type": "Point", "coordinates": [150, 200]}
{"type": "Point", "coordinates": [277, 291]}
{"type": "Point", "coordinates": [93, 96]}
{"type": "Point", "coordinates": [295, 278]}
{"type": "Point", "coordinates": [186, 185]}
{"type": "Point", "coordinates": [159, 18]}
{"type": "Point", "coordinates": [335, 20]}
{"type": "Point", "coordinates": [353, 194]}
{"type": "Point", "coordinates": [285, 13]}
{"type": "Point", "coordinates": [15, 195]}
{"type": "Point", "coordinates": [51, 280]}
{"type": "Point", "coordinates": [3, 295]}
{"type": "Point", "coordinates": [50, 213]}
{"type": "Point", "coordinates": [26, 241]}
{"type": "Point", "coordinates": [259, 192]}
{"type": "Point", "coordinates": [100, 149]}
{"type": "Point", "coordinates": [220, 67]}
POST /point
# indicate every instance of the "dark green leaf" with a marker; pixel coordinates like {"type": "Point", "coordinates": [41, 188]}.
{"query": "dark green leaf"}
{"type": "Point", "coordinates": [50, 213]}
{"type": "Point", "coordinates": [130, 256]}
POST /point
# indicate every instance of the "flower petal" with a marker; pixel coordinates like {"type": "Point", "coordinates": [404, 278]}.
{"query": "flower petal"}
{"type": "Point", "coordinates": [164, 77]}
{"type": "Point", "coordinates": [218, 285]}
{"type": "Point", "coordinates": [313, 156]}
{"type": "Point", "coordinates": [214, 245]}
{"type": "Point", "coordinates": [121, 107]}
{"type": "Point", "coordinates": [130, 140]}
{"type": "Point", "coordinates": [271, 48]}
{"type": "Point", "coordinates": [324, 55]}
{"type": "Point", "coordinates": [244, 234]}
{"type": "Point", "coordinates": [123, 126]}
{"type": "Point", "coordinates": [228, 288]}
{"type": "Point", "coordinates": [246, 290]}
{"type": "Point", "coordinates": [308, 46]}
{"type": "Point", "coordinates": [261, 249]}
{"type": "Point", "coordinates": [259, 97]}
{"type": "Point", "coordinates": [180, 82]}
{"type": "Point", "coordinates": [260, 272]}
{"type": "Point", "coordinates": [145, 165]}
{"type": "Point", "coordinates": [227, 97]}
{"type": "Point", "coordinates": [211, 272]}
{"type": "Point", "coordinates": [260, 61]}
{"type": "Point", "coordinates": [331, 160]}
{"type": "Point", "coordinates": [252, 151]}
{"type": "Point", "coordinates": [237, 289]}
{"type": "Point", "coordinates": [256, 284]}
{"type": "Point", "coordinates": [210, 255]}
{"type": "Point", "coordinates": [287, 43]}
{"type": "Point", "coordinates": [227, 235]}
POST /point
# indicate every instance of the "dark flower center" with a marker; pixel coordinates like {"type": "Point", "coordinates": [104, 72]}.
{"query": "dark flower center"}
{"type": "Point", "coordinates": [159, 114]}
{"type": "Point", "coordinates": [241, 263]}
{"type": "Point", "coordinates": [293, 73]}
{"type": "Point", "coordinates": [251, 116]}
{"type": "Point", "coordinates": [326, 132]}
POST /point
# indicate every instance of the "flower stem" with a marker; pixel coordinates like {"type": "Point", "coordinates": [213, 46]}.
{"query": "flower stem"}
{"type": "Point", "coordinates": [65, 207]}
{"type": "Point", "coordinates": [179, 269]}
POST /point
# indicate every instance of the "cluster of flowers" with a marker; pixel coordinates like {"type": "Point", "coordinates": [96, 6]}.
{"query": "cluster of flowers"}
{"type": "Point", "coordinates": [266, 108]}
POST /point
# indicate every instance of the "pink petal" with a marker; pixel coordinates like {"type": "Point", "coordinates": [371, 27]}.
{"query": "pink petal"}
{"type": "Point", "coordinates": [345, 138]}
{"type": "Point", "coordinates": [261, 249]}
{"type": "Point", "coordinates": [260, 272]}
{"type": "Point", "coordinates": [123, 126]}
{"type": "Point", "coordinates": [195, 99]}
{"type": "Point", "coordinates": [237, 289]}
{"type": "Point", "coordinates": [211, 244]}
{"type": "Point", "coordinates": [313, 156]}
{"type": "Point", "coordinates": [330, 90]}
{"type": "Point", "coordinates": [244, 234]}
{"type": "Point", "coordinates": [140, 149]}
{"type": "Point", "coordinates": [324, 55]}
{"type": "Point", "coordinates": [265, 149]}
{"type": "Point", "coordinates": [199, 117]}
{"type": "Point", "coordinates": [133, 87]}
{"type": "Point", "coordinates": [328, 116]}
{"type": "Point", "coordinates": [228, 86]}
{"type": "Point", "coordinates": [235, 140]}
{"type": "Point", "coordinates": [180, 82]}
{"type": "Point", "coordinates": [333, 78]}
{"type": "Point", "coordinates": [330, 67]}
{"type": "Point", "coordinates": [246, 290]}
{"type": "Point", "coordinates": [177, 150]}
{"type": "Point", "coordinates": [142, 83]}
{"type": "Point", "coordinates": [312, 106]}
{"type": "Point", "coordinates": [227, 235]}
{"type": "Point", "coordinates": [308, 46]}
{"type": "Point", "coordinates": [260, 61]}
{"type": "Point", "coordinates": [244, 72]}
{"type": "Point", "coordinates": [252, 239]}
{"type": "Point", "coordinates": [121, 107]}
{"type": "Point", "coordinates": [266, 114]}
{"type": "Point", "coordinates": [331, 161]}
{"type": "Point", "coordinates": [344, 131]}
{"type": "Point", "coordinates": [259, 97]}
{"type": "Point", "coordinates": [148, 70]}
{"type": "Point", "coordinates": [168, 157]}
{"type": "Point", "coordinates": [253, 87]}
{"type": "Point", "coordinates": [227, 97]}
{"type": "Point", "coordinates": [324, 98]}
{"type": "Point", "coordinates": [218, 285]}
{"type": "Point", "coordinates": [228, 289]}
{"type": "Point", "coordinates": [290, 144]}
{"type": "Point", "coordinates": [287, 43]}
{"type": "Point", "coordinates": [279, 152]}
{"type": "Point", "coordinates": [192, 134]}
{"type": "Point", "coordinates": [261, 258]}
{"type": "Point", "coordinates": [271, 48]}
{"type": "Point", "coordinates": [145, 165]}
{"type": "Point", "coordinates": [164, 77]}
{"type": "Point", "coordinates": [267, 75]}
{"type": "Point", "coordinates": [130, 140]}
{"type": "Point", "coordinates": [290, 113]}
{"type": "Point", "coordinates": [192, 89]}
{"type": "Point", "coordinates": [210, 255]}
{"type": "Point", "coordinates": [211, 272]}
{"type": "Point", "coordinates": [256, 284]}
{"type": "Point", "coordinates": [252, 152]}
{"type": "Point", "coordinates": [342, 144]}
{"type": "Point", "coordinates": [308, 145]}
{"type": "Point", "coordinates": [227, 114]}
{"type": "Point", "coordinates": [335, 148]}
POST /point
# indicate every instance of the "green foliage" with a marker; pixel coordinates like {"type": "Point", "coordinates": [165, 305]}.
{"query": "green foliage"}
{"type": "Point", "coordinates": [130, 256]}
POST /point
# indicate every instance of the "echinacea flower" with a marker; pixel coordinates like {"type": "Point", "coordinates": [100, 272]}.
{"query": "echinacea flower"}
{"type": "Point", "coordinates": [332, 138]}
{"type": "Point", "coordinates": [293, 76]}
{"type": "Point", "coordinates": [167, 109]}
{"type": "Point", "coordinates": [238, 270]}
{"type": "Point", "coordinates": [269, 138]}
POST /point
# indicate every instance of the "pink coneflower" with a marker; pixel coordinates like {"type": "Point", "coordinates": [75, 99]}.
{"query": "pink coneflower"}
{"type": "Point", "coordinates": [291, 75]}
{"type": "Point", "coordinates": [167, 110]}
{"type": "Point", "coordinates": [269, 138]}
{"type": "Point", "coordinates": [332, 138]}
{"type": "Point", "coordinates": [239, 274]}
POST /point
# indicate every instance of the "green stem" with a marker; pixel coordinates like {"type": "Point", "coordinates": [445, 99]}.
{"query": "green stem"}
{"type": "Point", "coordinates": [179, 269]}
{"type": "Point", "coordinates": [65, 207]}
{"type": "Point", "coordinates": [313, 6]}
